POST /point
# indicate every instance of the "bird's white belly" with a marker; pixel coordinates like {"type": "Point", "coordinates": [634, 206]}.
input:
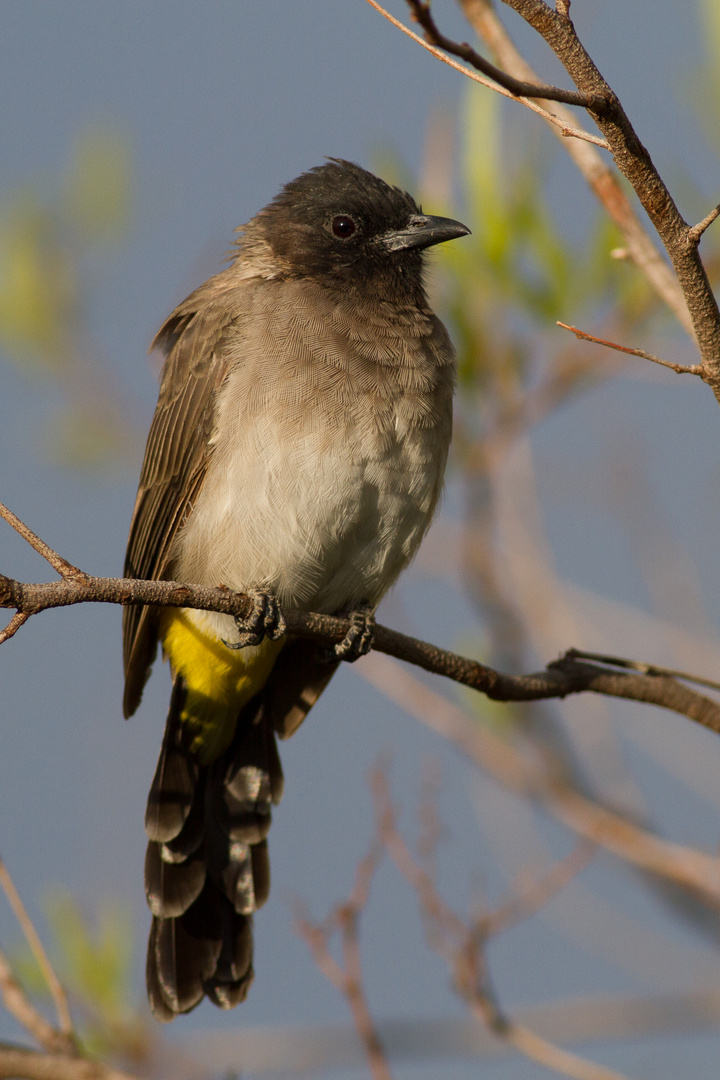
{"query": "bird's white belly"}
{"type": "Point", "coordinates": [324, 526]}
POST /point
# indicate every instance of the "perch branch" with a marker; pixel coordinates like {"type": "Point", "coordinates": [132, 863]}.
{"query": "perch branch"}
{"type": "Point", "coordinates": [562, 677]}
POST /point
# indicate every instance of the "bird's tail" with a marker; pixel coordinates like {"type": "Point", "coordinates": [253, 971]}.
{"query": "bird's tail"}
{"type": "Point", "coordinates": [207, 867]}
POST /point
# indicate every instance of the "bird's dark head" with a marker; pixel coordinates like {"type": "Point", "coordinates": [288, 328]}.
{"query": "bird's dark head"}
{"type": "Point", "coordinates": [342, 225]}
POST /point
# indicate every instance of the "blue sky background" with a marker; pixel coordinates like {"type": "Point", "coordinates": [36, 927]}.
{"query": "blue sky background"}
{"type": "Point", "coordinates": [220, 103]}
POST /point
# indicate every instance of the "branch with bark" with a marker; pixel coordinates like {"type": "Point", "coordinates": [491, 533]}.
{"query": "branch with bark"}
{"type": "Point", "coordinates": [687, 292]}
{"type": "Point", "coordinates": [565, 676]}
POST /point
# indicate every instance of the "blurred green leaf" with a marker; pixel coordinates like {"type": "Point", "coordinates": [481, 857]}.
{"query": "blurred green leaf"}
{"type": "Point", "coordinates": [92, 958]}
{"type": "Point", "coordinates": [48, 242]}
{"type": "Point", "coordinates": [93, 955]}
{"type": "Point", "coordinates": [38, 283]}
{"type": "Point", "coordinates": [44, 242]}
{"type": "Point", "coordinates": [96, 197]}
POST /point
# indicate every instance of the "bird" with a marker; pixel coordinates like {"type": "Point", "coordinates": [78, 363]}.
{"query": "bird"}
{"type": "Point", "coordinates": [297, 455]}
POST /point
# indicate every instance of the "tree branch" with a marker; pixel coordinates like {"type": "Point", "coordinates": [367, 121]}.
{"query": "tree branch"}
{"type": "Point", "coordinates": [635, 163]}
{"type": "Point", "coordinates": [420, 10]}
{"type": "Point", "coordinates": [600, 177]}
{"type": "Point", "coordinates": [21, 1008]}
{"type": "Point", "coordinates": [699, 313]}
{"type": "Point", "coordinates": [19, 1064]}
{"type": "Point", "coordinates": [562, 677]}
{"type": "Point", "coordinates": [347, 977]}
{"type": "Point", "coordinates": [564, 124]}
{"type": "Point", "coordinates": [693, 870]}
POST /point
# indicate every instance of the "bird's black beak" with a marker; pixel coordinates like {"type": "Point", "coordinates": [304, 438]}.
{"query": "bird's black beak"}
{"type": "Point", "coordinates": [422, 231]}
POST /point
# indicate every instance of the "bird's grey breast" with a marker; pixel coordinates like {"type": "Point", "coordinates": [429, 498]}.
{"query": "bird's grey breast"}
{"type": "Point", "coordinates": [329, 446]}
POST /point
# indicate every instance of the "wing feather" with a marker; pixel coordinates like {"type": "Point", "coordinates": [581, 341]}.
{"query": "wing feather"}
{"type": "Point", "coordinates": [194, 341]}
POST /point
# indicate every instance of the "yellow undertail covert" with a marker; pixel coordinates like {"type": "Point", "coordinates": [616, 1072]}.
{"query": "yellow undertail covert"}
{"type": "Point", "coordinates": [219, 680]}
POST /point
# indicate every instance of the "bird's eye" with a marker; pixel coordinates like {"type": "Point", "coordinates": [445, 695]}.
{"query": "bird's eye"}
{"type": "Point", "coordinates": [343, 226]}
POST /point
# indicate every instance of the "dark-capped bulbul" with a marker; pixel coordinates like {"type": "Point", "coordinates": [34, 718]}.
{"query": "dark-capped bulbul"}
{"type": "Point", "coordinates": [296, 454]}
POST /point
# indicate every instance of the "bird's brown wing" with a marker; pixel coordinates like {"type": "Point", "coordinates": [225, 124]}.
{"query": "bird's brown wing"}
{"type": "Point", "coordinates": [176, 456]}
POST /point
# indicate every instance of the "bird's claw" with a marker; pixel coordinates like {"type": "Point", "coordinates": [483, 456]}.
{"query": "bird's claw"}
{"type": "Point", "coordinates": [265, 620]}
{"type": "Point", "coordinates": [358, 640]}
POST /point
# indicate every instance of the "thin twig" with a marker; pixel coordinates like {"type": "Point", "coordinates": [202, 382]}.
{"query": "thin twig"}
{"type": "Point", "coordinates": [503, 760]}
{"type": "Point", "coordinates": [63, 567]}
{"type": "Point", "coordinates": [348, 977]}
{"type": "Point", "coordinates": [463, 948]}
{"type": "Point", "coordinates": [18, 1005]}
{"type": "Point", "coordinates": [534, 893]}
{"type": "Point", "coordinates": [599, 175]}
{"type": "Point", "coordinates": [646, 669]}
{"type": "Point", "coordinates": [421, 13]}
{"type": "Point", "coordinates": [566, 128]}
{"type": "Point", "coordinates": [696, 232]}
{"type": "Point", "coordinates": [680, 369]}
{"type": "Point", "coordinates": [36, 946]}
{"type": "Point", "coordinates": [13, 626]}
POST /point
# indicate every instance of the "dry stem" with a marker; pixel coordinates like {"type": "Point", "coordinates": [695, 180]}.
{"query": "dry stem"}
{"type": "Point", "coordinates": [679, 369]}
{"type": "Point", "coordinates": [693, 870]}
{"type": "Point", "coordinates": [65, 1038]}
{"type": "Point", "coordinates": [19, 1064]}
{"type": "Point", "coordinates": [463, 944]}
{"type": "Point", "coordinates": [348, 977]}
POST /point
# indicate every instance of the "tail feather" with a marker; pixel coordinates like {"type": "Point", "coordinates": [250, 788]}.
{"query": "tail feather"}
{"type": "Point", "coordinates": [260, 873]}
{"type": "Point", "coordinates": [236, 955]}
{"type": "Point", "coordinates": [171, 887]}
{"type": "Point", "coordinates": [248, 780]}
{"type": "Point", "coordinates": [234, 972]}
{"type": "Point", "coordinates": [207, 868]}
{"type": "Point", "coordinates": [232, 872]}
{"type": "Point", "coordinates": [227, 995]}
{"type": "Point", "coordinates": [186, 951]}
{"type": "Point", "coordinates": [245, 876]}
{"type": "Point", "coordinates": [160, 1009]}
{"type": "Point", "coordinates": [192, 833]}
{"type": "Point", "coordinates": [173, 788]}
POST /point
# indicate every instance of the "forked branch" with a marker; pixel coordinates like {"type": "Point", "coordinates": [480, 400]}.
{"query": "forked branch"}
{"type": "Point", "coordinates": [693, 303]}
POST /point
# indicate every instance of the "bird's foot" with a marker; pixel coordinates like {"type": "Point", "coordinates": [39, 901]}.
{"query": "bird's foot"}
{"type": "Point", "coordinates": [359, 638]}
{"type": "Point", "coordinates": [265, 620]}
